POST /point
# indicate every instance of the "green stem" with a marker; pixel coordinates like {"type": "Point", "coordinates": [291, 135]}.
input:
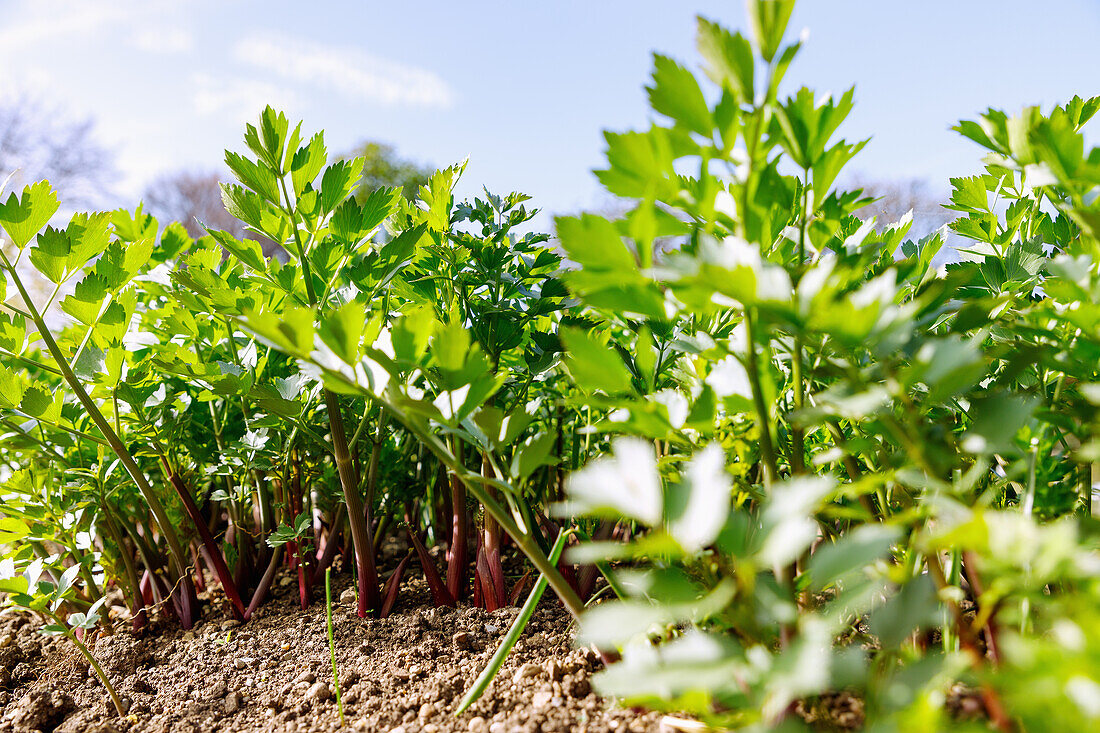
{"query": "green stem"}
{"type": "Point", "coordinates": [92, 661]}
{"type": "Point", "coordinates": [475, 485]}
{"type": "Point", "coordinates": [167, 529]}
{"type": "Point", "coordinates": [369, 598]}
{"type": "Point", "coordinates": [332, 644]}
{"type": "Point", "coordinates": [767, 447]}
{"type": "Point", "coordinates": [514, 632]}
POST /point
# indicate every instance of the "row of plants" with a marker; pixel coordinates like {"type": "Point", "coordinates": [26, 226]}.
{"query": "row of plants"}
{"type": "Point", "coordinates": [803, 455]}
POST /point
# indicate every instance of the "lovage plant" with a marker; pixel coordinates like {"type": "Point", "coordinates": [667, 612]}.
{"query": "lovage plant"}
{"type": "Point", "coordinates": [843, 458]}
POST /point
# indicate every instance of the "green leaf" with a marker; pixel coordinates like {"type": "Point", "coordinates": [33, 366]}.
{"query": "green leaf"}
{"type": "Point", "coordinates": [856, 550]}
{"type": "Point", "coordinates": [593, 364]}
{"type": "Point", "coordinates": [996, 420]}
{"type": "Point", "coordinates": [675, 93]}
{"type": "Point", "coordinates": [256, 177]}
{"type": "Point", "coordinates": [290, 331]}
{"type": "Point", "coordinates": [307, 163]}
{"type": "Point", "coordinates": [411, 332]}
{"type": "Point", "coordinates": [697, 509]}
{"type": "Point", "coordinates": [969, 194]}
{"type": "Point", "coordinates": [342, 330]}
{"type": "Point", "coordinates": [768, 20]}
{"type": "Point", "coordinates": [122, 261]}
{"type": "Point", "coordinates": [86, 301]}
{"type": "Point", "coordinates": [50, 253]}
{"type": "Point", "coordinates": [12, 529]}
{"type": "Point", "coordinates": [247, 251]}
{"type": "Point", "coordinates": [450, 345]}
{"type": "Point", "coordinates": [12, 388]}
{"type": "Point", "coordinates": [914, 607]}
{"type": "Point", "coordinates": [13, 333]}
{"type": "Point", "coordinates": [268, 141]}
{"type": "Point", "coordinates": [593, 242]}
{"type": "Point", "coordinates": [729, 58]}
{"type": "Point", "coordinates": [340, 181]}
{"type": "Point", "coordinates": [23, 217]}
{"type": "Point", "coordinates": [534, 452]}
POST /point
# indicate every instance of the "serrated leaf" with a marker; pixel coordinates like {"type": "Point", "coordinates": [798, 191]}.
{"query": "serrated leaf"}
{"type": "Point", "coordinates": [307, 163]}
{"type": "Point", "coordinates": [24, 216]}
{"type": "Point", "coordinates": [675, 93]}
{"type": "Point", "coordinates": [342, 330]}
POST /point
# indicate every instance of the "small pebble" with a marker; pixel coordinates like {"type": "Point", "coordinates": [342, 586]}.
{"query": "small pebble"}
{"type": "Point", "coordinates": [398, 729]}
{"type": "Point", "coordinates": [461, 640]}
{"type": "Point", "coordinates": [426, 711]}
{"type": "Point", "coordinates": [541, 699]}
{"type": "Point", "coordinates": [399, 673]}
{"type": "Point", "coordinates": [306, 677]}
{"type": "Point", "coordinates": [527, 670]}
{"type": "Point", "coordinates": [233, 702]}
{"type": "Point", "coordinates": [319, 692]}
{"type": "Point", "coordinates": [348, 596]}
{"type": "Point", "coordinates": [6, 640]}
{"type": "Point", "coordinates": [478, 725]}
{"type": "Point", "coordinates": [497, 727]}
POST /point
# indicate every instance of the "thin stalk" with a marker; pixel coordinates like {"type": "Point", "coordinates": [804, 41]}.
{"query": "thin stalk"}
{"type": "Point", "coordinates": [213, 553]}
{"type": "Point", "coordinates": [265, 582]}
{"type": "Point", "coordinates": [179, 560]}
{"type": "Point", "coordinates": [460, 549]}
{"type": "Point", "coordinates": [369, 598]}
{"type": "Point", "coordinates": [137, 602]}
{"type": "Point", "coordinates": [771, 466]}
{"type": "Point", "coordinates": [119, 708]}
{"type": "Point", "coordinates": [514, 632]}
{"type": "Point", "coordinates": [332, 644]}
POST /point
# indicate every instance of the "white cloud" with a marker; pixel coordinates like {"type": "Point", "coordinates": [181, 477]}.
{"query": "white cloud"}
{"type": "Point", "coordinates": [164, 40]}
{"type": "Point", "coordinates": [49, 20]}
{"type": "Point", "coordinates": [237, 98]}
{"type": "Point", "coordinates": [345, 70]}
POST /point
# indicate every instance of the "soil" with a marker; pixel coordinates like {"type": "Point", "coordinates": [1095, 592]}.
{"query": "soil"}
{"type": "Point", "coordinates": [407, 672]}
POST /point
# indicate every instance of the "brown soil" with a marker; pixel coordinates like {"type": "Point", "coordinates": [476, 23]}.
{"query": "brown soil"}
{"type": "Point", "coordinates": [404, 673]}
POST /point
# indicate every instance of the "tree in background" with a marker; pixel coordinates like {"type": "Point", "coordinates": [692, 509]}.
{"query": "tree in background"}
{"type": "Point", "coordinates": [382, 166]}
{"type": "Point", "coordinates": [194, 199]}
{"type": "Point", "coordinates": [37, 142]}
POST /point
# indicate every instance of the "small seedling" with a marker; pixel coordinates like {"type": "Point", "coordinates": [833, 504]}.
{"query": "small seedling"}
{"type": "Point", "coordinates": [332, 644]}
{"type": "Point", "coordinates": [43, 596]}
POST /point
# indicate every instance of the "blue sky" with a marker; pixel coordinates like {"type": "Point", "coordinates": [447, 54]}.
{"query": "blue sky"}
{"type": "Point", "coordinates": [522, 88]}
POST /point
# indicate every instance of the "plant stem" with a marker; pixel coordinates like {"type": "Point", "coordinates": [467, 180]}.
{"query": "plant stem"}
{"type": "Point", "coordinates": [771, 467]}
{"type": "Point", "coordinates": [92, 661]}
{"type": "Point", "coordinates": [332, 644]}
{"type": "Point", "coordinates": [179, 560]}
{"type": "Point", "coordinates": [369, 598]}
{"type": "Point", "coordinates": [514, 632]}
